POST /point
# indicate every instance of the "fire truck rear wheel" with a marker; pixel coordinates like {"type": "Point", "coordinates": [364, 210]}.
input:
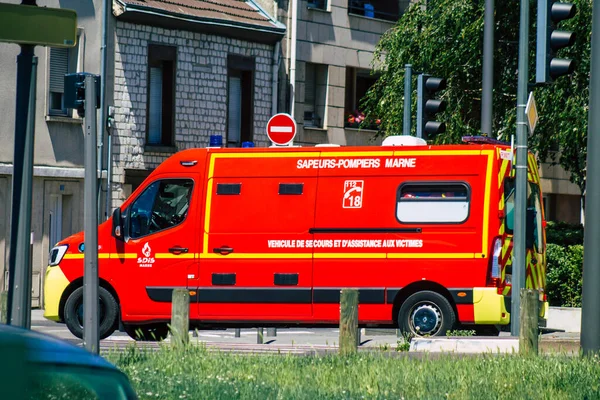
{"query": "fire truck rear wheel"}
{"type": "Point", "coordinates": [107, 310]}
{"type": "Point", "coordinates": [150, 332]}
{"type": "Point", "coordinates": [426, 313]}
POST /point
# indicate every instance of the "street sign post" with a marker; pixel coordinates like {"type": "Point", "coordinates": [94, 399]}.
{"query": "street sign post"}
{"type": "Point", "coordinates": [281, 129]}
{"type": "Point", "coordinates": [90, 224]}
{"type": "Point", "coordinates": [43, 26]}
{"type": "Point", "coordinates": [27, 25]}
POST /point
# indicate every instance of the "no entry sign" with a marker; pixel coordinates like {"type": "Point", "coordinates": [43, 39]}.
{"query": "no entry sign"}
{"type": "Point", "coordinates": [281, 129]}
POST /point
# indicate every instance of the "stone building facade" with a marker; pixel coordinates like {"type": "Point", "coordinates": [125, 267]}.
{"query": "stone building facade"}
{"type": "Point", "coordinates": [335, 43]}
{"type": "Point", "coordinates": [205, 68]}
{"type": "Point", "coordinates": [200, 95]}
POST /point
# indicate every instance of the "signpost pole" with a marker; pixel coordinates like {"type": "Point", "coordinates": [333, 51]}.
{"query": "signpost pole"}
{"type": "Point", "coordinates": [19, 267]}
{"type": "Point", "coordinates": [407, 98]}
{"type": "Point", "coordinates": [590, 301]}
{"type": "Point", "coordinates": [518, 275]}
{"type": "Point", "coordinates": [90, 275]}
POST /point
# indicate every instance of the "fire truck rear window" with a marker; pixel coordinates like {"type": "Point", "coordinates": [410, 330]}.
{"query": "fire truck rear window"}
{"type": "Point", "coordinates": [432, 203]}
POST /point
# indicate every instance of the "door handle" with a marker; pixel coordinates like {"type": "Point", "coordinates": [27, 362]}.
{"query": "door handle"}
{"type": "Point", "coordinates": [178, 250]}
{"type": "Point", "coordinates": [223, 250]}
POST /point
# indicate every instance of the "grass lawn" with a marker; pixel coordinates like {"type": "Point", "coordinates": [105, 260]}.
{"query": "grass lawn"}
{"type": "Point", "coordinates": [198, 374]}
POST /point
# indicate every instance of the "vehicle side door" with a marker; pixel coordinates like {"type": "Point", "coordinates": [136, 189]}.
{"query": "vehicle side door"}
{"type": "Point", "coordinates": [158, 252]}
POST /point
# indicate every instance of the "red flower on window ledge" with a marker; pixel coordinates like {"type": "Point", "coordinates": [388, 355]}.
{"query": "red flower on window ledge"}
{"type": "Point", "coordinates": [356, 119]}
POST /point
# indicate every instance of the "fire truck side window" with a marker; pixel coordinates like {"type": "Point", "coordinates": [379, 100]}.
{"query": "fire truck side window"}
{"type": "Point", "coordinates": [163, 205]}
{"type": "Point", "coordinates": [446, 202]}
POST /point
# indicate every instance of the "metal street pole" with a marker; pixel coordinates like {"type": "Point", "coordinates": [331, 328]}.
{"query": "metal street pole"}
{"type": "Point", "coordinates": [420, 111]}
{"type": "Point", "coordinates": [407, 99]}
{"type": "Point", "coordinates": [19, 293]}
{"type": "Point", "coordinates": [90, 273]}
{"type": "Point", "coordinates": [518, 273]}
{"type": "Point", "coordinates": [590, 317]}
{"type": "Point", "coordinates": [488, 70]}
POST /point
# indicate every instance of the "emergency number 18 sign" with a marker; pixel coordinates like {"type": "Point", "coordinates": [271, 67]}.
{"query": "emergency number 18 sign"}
{"type": "Point", "coordinates": [353, 194]}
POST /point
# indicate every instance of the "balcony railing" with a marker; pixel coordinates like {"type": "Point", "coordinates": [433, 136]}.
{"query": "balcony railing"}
{"type": "Point", "coordinates": [370, 10]}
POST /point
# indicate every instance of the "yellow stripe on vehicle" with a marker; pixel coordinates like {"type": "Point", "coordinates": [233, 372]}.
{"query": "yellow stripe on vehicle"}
{"type": "Point", "coordinates": [350, 255]}
{"type": "Point", "coordinates": [256, 255]}
{"type": "Point", "coordinates": [434, 255]}
{"type": "Point", "coordinates": [338, 255]}
{"type": "Point", "coordinates": [73, 256]}
{"type": "Point", "coordinates": [486, 201]}
{"type": "Point", "coordinates": [215, 156]}
{"type": "Point", "coordinates": [123, 255]}
{"type": "Point", "coordinates": [359, 154]}
{"type": "Point", "coordinates": [502, 173]}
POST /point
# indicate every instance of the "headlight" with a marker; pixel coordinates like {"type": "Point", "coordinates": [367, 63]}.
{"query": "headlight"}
{"type": "Point", "coordinates": [57, 254]}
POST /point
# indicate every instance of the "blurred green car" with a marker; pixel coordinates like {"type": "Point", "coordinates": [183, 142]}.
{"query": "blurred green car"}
{"type": "Point", "coordinates": [38, 366]}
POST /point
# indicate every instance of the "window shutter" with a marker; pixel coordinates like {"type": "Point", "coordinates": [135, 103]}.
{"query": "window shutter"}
{"type": "Point", "coordinates": [155, 107]}
{"type": "Point", "coordinates": [234, 127]}
{"type": "Point", "coordinates": [59, 66]}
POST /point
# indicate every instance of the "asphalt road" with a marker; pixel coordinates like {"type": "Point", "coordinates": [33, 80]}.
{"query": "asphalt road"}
{"type": "Point", "coordinates": [289, 340]}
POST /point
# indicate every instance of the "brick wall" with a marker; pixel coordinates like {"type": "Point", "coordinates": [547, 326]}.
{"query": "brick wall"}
{"type": "Point", "coordinates": [201, 93]}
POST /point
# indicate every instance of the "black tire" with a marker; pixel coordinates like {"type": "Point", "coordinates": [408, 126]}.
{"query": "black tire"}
{"type": "Point", "coordinates": [108, 313]}
{"type": "Point", "coordinates": [426, 313]}
{"type": "Point", "coordinates": [151, 332]}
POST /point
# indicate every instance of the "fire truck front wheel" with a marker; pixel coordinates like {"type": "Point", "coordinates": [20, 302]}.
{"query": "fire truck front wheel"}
{"type": "Point", "coordinates": [426, 313]}
{"type": "Point", "coordinates": [108, 312]}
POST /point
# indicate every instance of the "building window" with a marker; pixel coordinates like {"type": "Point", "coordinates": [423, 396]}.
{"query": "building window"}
{"type": "Point", "coordinates": [423, 202]}
{"type": "Point", "coordinates": [358, 83]}
{"type": "Point", "coordinates": [62, 61]}
{"type": "Point", "coordinates": [381, 9]}
{"type": "Point", "coordinates": [315, 95]}
{"type": "Point", "coordinates": [320, 4]}
{"type": "Point", "coordinates": [161, 95]}
{"type": "Point", "coordinates": [240, 99]}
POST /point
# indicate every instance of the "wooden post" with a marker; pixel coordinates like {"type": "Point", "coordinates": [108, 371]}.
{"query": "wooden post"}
{"type": "Point", "coordinates": [259, 335]}
{"type": "Point", "coordinates": [238, 332]}
{"type": "Point", "coordinates": [180, 318]}
{"type": "Point", "coordinates": [528, 334]}
{"type": "Point", "coordinates": [271, 331]}
{"type": "Point", "coordinates": [348, 321]}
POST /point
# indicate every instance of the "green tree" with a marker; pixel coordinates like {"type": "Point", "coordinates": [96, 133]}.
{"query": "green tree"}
{"type": "Point", "coordinates": [445, 39]}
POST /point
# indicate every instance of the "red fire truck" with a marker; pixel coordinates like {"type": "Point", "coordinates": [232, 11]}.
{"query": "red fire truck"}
{"type": "Point", "coordinates": [269, 236]}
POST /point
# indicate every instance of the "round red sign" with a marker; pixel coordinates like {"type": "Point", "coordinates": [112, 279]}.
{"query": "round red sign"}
{"type": "Point", "coordinates": [281, 129]}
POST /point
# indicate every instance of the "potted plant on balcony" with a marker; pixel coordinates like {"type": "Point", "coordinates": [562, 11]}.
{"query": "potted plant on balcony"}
{"type": "Point", "coordinates": [356, 119]}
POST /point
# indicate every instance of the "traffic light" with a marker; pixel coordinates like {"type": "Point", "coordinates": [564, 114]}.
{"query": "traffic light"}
{"type": "Point", "coordinates": [550, 40]}
{"type": "Point", "coordinates": [428, 107]}
{"type": "Point", "coordinates": [75, 91]}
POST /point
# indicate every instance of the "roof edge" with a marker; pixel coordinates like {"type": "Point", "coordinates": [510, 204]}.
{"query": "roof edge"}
{"type": "Point", "coordinates": [267, 15]}
{"type": "Point", "coordinates": [121, 10]}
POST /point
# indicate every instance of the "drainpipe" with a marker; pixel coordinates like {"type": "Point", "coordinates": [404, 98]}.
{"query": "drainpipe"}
{"type": "Point", "coordinates": [275, 78]}
{"type": "Point", "coordinates": [102, 120]}
{"type": "Point", "coordinates": [293, 56]}
{"type": "Point", "coordinates": [108, 176]}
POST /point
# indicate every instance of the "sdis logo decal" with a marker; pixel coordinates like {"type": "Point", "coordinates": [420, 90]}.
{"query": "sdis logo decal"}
{"type": "Point", "coordinates": [146, 261]}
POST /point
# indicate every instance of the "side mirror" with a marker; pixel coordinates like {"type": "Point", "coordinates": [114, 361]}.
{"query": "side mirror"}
{"type": "Point", "coordinates": [118, 231]}
{"type": "Point", "coordinates": [530, 228]}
